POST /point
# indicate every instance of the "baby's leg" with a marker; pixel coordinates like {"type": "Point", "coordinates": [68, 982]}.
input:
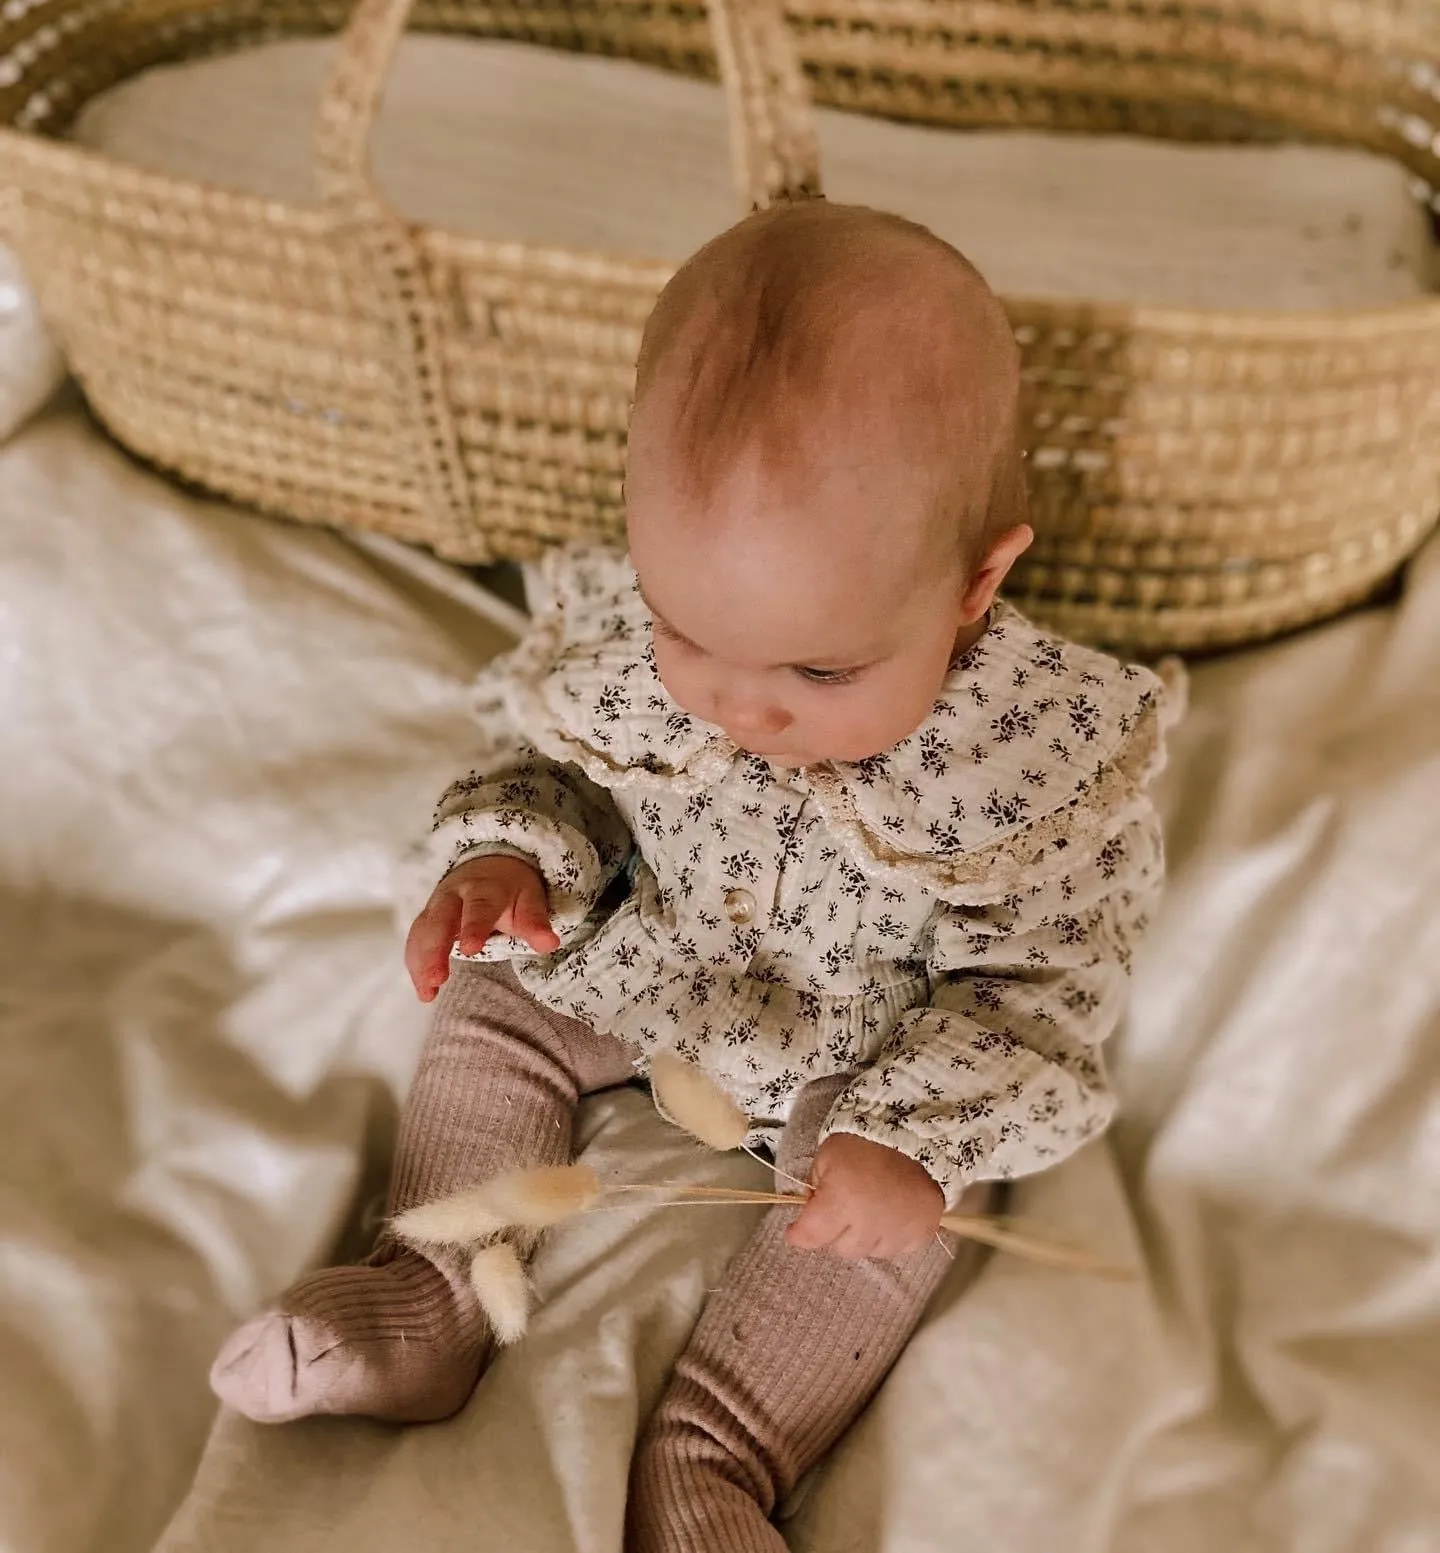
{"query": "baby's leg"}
{"type": "Point", "coordinates": [401, 1336]}
{"type": "Point", "coordinates": [788, 1351]}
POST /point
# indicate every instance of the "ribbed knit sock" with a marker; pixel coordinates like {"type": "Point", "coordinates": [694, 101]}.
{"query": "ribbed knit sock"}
{"type": "Point", "coordinates": [401, 1337]}
{"type": "Point", "coordinates": [787, 1353]}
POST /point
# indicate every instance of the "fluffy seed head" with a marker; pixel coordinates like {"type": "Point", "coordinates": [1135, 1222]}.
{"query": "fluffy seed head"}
{"type": "Point", "coordinates": [694, 1102]}
{"type": "Point", "coordinates": [499, 1282]}
{"type": "Point", "coordinates": [520, 1199]}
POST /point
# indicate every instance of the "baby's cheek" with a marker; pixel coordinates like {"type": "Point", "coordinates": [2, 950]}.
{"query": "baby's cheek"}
{"type": "Point", "coordinates": [680, 681]}
{"type": "Point", "coordinates": [877, 722]}
{"type": "Point", "coordinates": [842, 732]}
{"type": "Point", "coordinates": [911, 701]}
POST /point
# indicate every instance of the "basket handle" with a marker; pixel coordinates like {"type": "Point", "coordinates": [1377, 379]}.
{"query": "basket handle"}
{"type": "Point", "coordinates": [772, 137]}
{"type": "Point", "coordinates": [773, 148]}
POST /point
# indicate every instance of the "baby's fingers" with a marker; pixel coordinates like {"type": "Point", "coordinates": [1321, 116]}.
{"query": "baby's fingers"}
{"type": "Point", "coordinates": [483, 904]}
{"type": "Point", "coordinates": [821, 1223]}
{"type": "Point", "coordinates": [427, 947]}
{"type": "Point", "coordinates": [856, 1244]}
{"type": "Point", "coordinates": [530, 917]}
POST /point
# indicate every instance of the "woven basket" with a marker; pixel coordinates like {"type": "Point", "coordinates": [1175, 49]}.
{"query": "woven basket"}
{"type": "Point", "coordinates": [1199, 479]}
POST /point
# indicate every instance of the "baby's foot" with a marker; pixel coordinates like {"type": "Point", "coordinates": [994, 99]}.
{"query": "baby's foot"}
{"type": "Point", "coordinates": [398, 1341]}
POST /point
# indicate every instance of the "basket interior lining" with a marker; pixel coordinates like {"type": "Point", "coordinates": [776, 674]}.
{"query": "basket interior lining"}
{"type": "Point", "coordinates": [1184, 71]}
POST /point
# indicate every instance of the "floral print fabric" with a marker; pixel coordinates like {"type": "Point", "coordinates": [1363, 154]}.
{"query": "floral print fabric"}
{"type": "Point", "coordinates": [951, 921]}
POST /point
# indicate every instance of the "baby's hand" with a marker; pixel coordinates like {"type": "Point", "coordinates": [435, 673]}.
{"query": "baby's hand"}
{"type": "Point", "coordinates": [484, 896]}
{"type": "Point", "coordinates": [869, 1200]}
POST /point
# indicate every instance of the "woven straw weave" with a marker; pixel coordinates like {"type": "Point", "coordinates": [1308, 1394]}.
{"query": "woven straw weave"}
{"type": "Point", "coordinates": [1199, 479]}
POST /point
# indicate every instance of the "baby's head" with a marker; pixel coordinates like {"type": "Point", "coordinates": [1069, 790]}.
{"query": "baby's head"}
{"type": "Point", "coordinates": [824, 487]}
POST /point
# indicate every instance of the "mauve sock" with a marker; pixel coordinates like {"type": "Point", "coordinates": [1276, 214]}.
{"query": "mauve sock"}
{"type": "Point", "coordinates": [787, 1352]}
{"type": "Point", "coordinates": [401, 1336]}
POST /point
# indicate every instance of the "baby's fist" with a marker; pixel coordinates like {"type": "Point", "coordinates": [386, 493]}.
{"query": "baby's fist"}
{"type": "Point", "coordinates": [868, 1200]}
{"type": "Point", "coordinates": [487, 895]}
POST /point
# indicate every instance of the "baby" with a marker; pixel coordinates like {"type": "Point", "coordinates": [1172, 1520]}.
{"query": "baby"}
{"type": "Point", "coordinates": [791, 793]}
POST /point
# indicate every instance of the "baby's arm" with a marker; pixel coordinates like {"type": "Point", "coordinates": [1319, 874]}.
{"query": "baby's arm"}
{"type": "Point", "coordinates": [1001, 1075]}
{"type": "Point", "coordinates": [522, 844]}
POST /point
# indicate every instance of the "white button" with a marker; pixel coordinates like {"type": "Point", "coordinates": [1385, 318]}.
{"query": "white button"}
{"type": "Point", "coordinates": [740, 906]}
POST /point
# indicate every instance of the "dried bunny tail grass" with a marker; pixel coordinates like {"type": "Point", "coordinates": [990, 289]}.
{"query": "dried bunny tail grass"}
{"type": "Point", "coordinates": [458, 1220]}
{"type": "Point", "coordinates": [521, 1199]}
{"type": "Point", "coordinates": [1004, 1234]}
{"type": "Point", "coordinates": [1033, 1247]}
{"type": "Point", "coordinates": [498, 1279]}
{"type": "Point", "coordinates": [694, 1102]}
{"type": "Point", "coordinates": [536, 1199]}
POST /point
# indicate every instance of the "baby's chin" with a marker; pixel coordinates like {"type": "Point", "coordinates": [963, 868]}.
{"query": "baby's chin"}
{"type": "Point", "coordinates": [793, 760]}
{"type": "Point", "coordinates": [841, 750]}
{"type": "Point", "coordinates": [782, 760]}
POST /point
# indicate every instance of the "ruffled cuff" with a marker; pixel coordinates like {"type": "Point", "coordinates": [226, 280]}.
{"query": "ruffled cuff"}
{"type": "Point", "coordinates": [565, 860]}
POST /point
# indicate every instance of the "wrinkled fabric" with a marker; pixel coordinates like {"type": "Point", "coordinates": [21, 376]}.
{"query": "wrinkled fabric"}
{"type": "Point", "coordinates": [217, 728]}
{"type": "Point", "coordinates": [203, 1019]}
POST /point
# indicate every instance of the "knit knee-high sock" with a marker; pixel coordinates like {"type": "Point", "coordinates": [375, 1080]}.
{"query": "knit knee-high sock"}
{"type": "Point", "coordinates": [786, 1354]}
{"type": "Point", "coordinates": [401, 1337]}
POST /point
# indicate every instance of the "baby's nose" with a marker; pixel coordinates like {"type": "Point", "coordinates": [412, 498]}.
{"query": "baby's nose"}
{"type": "Point", "coordinates": [749, 721]}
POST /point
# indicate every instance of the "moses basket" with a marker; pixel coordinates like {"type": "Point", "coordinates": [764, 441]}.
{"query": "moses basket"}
{"type": "Point", "coordinates": [1199, 479]}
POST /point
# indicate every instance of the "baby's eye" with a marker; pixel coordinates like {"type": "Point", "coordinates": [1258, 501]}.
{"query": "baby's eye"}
{"type": "Point", "coordinates": [828, 676]}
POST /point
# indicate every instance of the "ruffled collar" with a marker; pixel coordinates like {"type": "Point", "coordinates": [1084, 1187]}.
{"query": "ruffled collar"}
{"type": "Point", "coordinates": [1025, 726]}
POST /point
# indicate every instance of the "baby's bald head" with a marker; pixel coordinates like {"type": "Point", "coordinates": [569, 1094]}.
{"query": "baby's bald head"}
{"type": "Point", "coordinates": [850, 362]}
{"type": "Point", "coordinates": [824, 485]}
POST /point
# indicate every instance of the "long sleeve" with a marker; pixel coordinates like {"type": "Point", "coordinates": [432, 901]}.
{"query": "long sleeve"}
{"type": "Point", "coordinates": [1001, 1075]}
{"type": "Point", "coordinates": [518, 802]}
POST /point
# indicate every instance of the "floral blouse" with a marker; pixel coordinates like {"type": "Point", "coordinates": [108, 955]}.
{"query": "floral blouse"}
{"type": "Point", "coordinates": [950, 921]}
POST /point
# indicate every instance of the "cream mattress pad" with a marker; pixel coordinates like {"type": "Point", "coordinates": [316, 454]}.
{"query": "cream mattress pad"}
{"type": "Point", "coordinates": [506, 140]}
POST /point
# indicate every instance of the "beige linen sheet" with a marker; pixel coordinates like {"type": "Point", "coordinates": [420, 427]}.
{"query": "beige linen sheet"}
{"type": "Point", "coordinates": [216, 729]}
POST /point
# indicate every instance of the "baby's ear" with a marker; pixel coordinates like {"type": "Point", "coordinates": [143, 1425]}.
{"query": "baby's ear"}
{"type": "Point", "coordinates": [1000, 555]}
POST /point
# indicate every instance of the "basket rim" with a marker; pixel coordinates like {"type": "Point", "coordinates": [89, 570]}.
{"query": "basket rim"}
{"type": "Point", "coordinates": [319, 220]}
{"type": "Point", "coordinates": [67, 156]}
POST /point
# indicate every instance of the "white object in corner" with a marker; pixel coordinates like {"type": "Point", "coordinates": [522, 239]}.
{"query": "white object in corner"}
{"type": "Point", "coordinates": [31, 367]}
